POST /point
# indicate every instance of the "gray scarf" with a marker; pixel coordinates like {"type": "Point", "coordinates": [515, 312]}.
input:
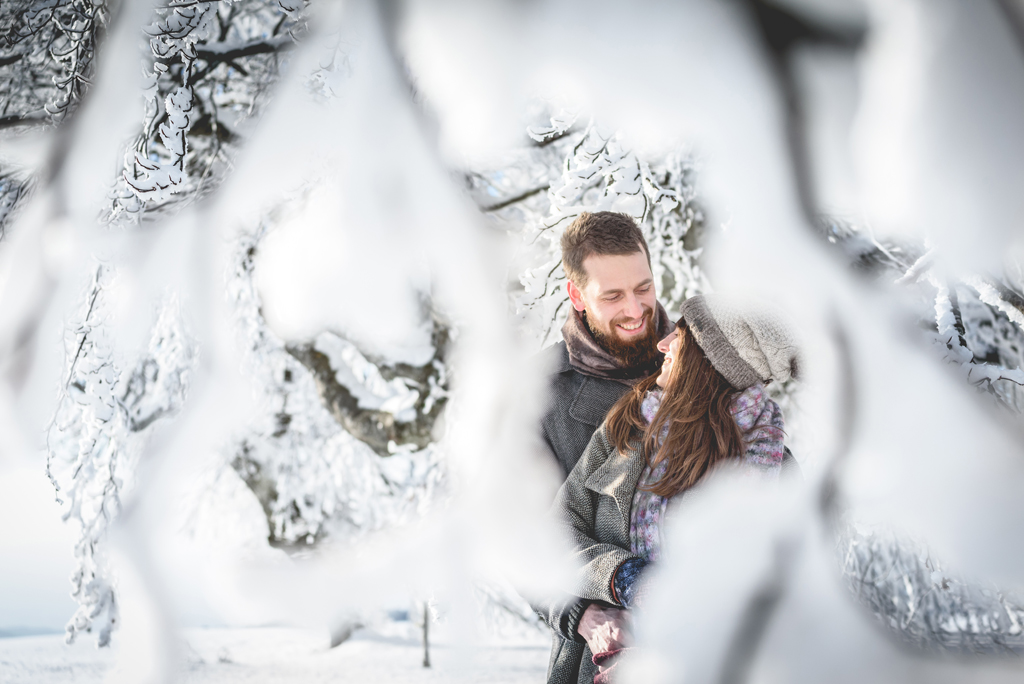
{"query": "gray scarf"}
{"type": "Point", "coordinates": [590, 358]}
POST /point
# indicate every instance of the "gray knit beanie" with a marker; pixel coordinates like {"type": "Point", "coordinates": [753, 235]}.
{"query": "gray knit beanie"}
{"type": "Point", "coordinates": [745, 345]}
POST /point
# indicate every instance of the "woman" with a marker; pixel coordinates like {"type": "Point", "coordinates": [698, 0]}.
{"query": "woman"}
{"type": "Point", "coordinates": [707, 405]}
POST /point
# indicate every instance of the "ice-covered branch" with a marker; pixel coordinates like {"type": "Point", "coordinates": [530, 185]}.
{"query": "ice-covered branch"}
{"type": "Point", "coordinates": [212, 63]}
{"type": "Point", "coordinates": [314, 456]}
{"type": "Point", "coordinates": [50, 65]}
{"type": "Point", "coordinates": [923, 604]}
{"type": "Point", "coordinates": [97, 434]}
{"type": "Point", "coordinates": [386, 414]}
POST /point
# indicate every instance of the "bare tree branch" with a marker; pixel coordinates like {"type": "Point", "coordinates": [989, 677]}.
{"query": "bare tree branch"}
{"type": "Point", "coordinates": [379, 429]}
{"type": "Point", "coordinates": [14, 120]}
{"type": "Point", "coordinates": [517, 198]}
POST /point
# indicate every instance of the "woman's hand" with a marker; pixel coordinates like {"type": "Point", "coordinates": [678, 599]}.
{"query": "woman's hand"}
{"type": "Point", "coordinates": [605, 629]}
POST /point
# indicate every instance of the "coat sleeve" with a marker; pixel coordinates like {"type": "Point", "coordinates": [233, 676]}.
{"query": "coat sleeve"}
{"type": "Point", "coordinates": [575, 509]}
{"type": "Point", "coordinates": [563, 614]}
{"type": "Point", "coordinates": [577, 506]}
{"type": "Point", "coordinates": [760, 420]}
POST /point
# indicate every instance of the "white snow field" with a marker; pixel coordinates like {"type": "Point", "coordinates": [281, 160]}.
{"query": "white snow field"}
{"type": "Point", "coordinates": [278, 655]}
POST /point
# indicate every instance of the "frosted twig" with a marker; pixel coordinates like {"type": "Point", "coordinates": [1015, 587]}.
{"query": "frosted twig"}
{"type": "Point", "coordinates": [918, 269]}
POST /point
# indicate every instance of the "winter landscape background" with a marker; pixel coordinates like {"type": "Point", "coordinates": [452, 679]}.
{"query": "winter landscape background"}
{"type": "Point", "coordinates": [273, 276]}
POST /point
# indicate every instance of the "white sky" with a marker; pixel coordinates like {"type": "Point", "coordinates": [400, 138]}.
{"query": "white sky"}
{"type": "Point", "coordinates": [36, 550]}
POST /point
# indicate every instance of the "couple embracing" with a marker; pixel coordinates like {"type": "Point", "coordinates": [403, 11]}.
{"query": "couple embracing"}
{"type": "Point", "coordinates": [641, 408]}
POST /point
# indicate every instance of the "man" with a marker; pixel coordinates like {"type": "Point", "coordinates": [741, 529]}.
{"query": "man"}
{"type": "Point", "coordinates": [610, 340]}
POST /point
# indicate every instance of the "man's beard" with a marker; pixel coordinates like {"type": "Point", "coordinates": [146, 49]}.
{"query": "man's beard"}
{"type": "Point", "coordinates": [633, 353]}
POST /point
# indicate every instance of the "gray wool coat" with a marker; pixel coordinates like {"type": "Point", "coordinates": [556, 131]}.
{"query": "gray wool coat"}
{"type": "Point", "coordinates": [595, 504]}
{"type": "Point", "coordinates": [577, 404]}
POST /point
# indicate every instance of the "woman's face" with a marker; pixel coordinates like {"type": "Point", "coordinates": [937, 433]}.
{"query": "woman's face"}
{"type": "Point", "coordinates": [670, 348]}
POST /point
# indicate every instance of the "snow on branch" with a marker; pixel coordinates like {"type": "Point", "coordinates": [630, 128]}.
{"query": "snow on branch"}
{"type": "Point", "coordinates": [387, 415]}
{"type": "Point", "coordinates": [560, 126]}
{"type": "Point", "coordinates": [918, 269]}
{"type": "Point", "coordinates": [950, 324]}
{"type": "Point", "coordinates": [98, 432]}
{"type": "Point", "coordinates": [1004, 298]}
{"type": "Point", "coordinates": [180, 25]}
{"type": "Point", "coordinates": [342, 445]}
{"type": "Point", "coordinates": [923, 604]}
{"type": "Point", "coordinates": [211, 64]}
{"type": "Point", "coordinates": [952, 333]}
{"type": "Point", "coordinates": [976, 323]}
{"type": "Point", "coordinates": [47, 50]}
{"type": "Point", "coordinates": [157, 181]}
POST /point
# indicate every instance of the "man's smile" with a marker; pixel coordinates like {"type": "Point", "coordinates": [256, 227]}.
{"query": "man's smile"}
{"type": "Point", "coordinates": [634, 328]}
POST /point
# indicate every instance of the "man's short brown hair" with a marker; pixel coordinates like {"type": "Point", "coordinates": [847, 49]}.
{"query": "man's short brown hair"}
{"type": "Point", "coordinates": [601, 233]}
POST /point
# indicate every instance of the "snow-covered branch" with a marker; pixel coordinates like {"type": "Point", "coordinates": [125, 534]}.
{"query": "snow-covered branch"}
{"type": "Point", "coordinates": [98, 432]}
{"type": "Point", "coordinates": [976, 322]}
{"type": "Point", "coordinates": [922, 603]}
{"type": "Point", "coordinates": [387, 407]}
{"type": "Point", "coordinates": [342, 446]}
{"type": "Point", "coordinates": [211, 64]}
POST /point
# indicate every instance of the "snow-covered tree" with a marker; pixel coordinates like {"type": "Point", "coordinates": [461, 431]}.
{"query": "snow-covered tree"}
{"type": "Point", "coordinates": [348, 439]}
{"type": "Point", "coordinates": [345, 445]}
{"type": "Point", "coordinates": [585, 168]}
{"type": "Point", "coordinates": [210, 68]}
{"type": "Point", "coordinates": [47, 52]}
{"type": "Point", "coordinates": [975, 322]}
{"type": "Point", "coordinates": [106, 410]}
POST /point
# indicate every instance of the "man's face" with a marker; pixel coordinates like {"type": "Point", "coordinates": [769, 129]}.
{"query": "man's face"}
{"type": "Point", "coordinates": [619, 299]}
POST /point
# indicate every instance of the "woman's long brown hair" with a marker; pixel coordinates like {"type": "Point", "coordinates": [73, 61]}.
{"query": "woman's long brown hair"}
{"type": "Point", "coordinates": [695, 407]}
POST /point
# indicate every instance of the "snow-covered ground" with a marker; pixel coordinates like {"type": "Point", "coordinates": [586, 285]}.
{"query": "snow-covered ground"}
{"type": "Point", "coordinates": [272, 655]}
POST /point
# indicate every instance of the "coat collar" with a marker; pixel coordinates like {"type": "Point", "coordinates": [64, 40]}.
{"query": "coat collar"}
{"type": "Point", "coordinates": [617, 477]}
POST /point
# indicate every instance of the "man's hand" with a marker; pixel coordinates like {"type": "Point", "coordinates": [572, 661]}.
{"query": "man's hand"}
{"type": "Point", "coordinates": [605, 629]}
